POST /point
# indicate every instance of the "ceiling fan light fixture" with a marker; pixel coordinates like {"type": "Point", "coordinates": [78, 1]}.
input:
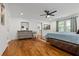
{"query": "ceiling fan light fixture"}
{"type": "Point", "coordinates": [21, 13]}
{"type": "Point", "coordinates": [48, 13]}
{"type": "Point", "coordinates": [48, 16]}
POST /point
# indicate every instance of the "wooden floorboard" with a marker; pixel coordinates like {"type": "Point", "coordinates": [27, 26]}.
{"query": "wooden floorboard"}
{"type": "Point", "coordinates": [32, 47]}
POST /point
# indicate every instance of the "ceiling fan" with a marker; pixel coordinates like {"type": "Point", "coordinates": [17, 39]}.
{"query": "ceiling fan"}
{"type": "Point", "coordinates": [48, 13]}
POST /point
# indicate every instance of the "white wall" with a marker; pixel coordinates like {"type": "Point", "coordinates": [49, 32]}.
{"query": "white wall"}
{"type": "Point", "coordinates": [53, 26]}
{"type": "Point", "coordinates": [3, 36]}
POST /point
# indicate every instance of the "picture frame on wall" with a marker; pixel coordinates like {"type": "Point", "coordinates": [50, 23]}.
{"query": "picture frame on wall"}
{"type": "Point", "coordinates": [46, 26]}
{"type": "Point", "coordinates": [2, 13]}
{"type": "Point", "coordinates": [25, 26]}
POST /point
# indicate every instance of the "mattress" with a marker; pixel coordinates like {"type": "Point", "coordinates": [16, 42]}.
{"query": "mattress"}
{"type": "Point", "coordinates": [65, 36]}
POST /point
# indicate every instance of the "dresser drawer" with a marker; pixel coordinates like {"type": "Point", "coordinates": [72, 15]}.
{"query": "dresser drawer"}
{"type": "Point", "coordinates": [25, 34]}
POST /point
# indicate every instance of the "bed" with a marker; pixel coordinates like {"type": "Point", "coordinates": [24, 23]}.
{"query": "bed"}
{"type": "Point", "coordinates": [68, 41]}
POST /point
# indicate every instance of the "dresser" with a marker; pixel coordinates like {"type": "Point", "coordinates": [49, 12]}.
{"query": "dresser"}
{"type": "Point", "coordinates": [25, 34]}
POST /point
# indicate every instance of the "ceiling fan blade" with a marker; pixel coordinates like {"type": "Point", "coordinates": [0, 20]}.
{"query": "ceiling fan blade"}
{"type": "Point", "coordinates": [46, 11]}
{"type": "Point", "coordinates": [54, 11]}
{"type": "Point", "coordinates": [52, 15]}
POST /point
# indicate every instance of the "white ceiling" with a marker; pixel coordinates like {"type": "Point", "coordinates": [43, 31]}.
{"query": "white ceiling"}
{"type": "Point", "coordinates": [34, 10]}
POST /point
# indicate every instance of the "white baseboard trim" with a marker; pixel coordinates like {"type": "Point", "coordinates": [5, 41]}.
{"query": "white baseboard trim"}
{"type": "Point", "coordinates": [6, 45]}
{"type": "Point", "coordinates": [3, 50]}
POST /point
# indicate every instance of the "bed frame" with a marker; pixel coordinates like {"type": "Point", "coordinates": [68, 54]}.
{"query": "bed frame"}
{"type": "Point", "coordinates": [64, 45]}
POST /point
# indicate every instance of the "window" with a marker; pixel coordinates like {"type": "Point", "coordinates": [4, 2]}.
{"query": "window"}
{"type": "Point", "coordinates": [68, 26]}
{"type": "Point", "coordinates": [64, 26]}
{"type": "Point", "coordinates": [61, 26]}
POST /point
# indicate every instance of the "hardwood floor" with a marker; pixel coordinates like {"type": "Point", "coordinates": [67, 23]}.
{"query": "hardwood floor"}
{"type": "Point", "coordinates": [32, 47]}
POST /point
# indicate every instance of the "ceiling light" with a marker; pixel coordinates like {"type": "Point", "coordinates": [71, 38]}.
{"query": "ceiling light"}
{"type": "Point", "coordinates": [48, 16]}
{"type": "Point", "coordinates": [21, 13]}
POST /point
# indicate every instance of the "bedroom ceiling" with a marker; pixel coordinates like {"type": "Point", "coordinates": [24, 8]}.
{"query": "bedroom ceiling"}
{"type": "Point", "coordinates": [34, 10]}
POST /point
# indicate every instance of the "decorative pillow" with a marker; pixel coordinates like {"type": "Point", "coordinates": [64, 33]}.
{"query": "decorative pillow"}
{"type": "Point", "coordinates": [78, 32]}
